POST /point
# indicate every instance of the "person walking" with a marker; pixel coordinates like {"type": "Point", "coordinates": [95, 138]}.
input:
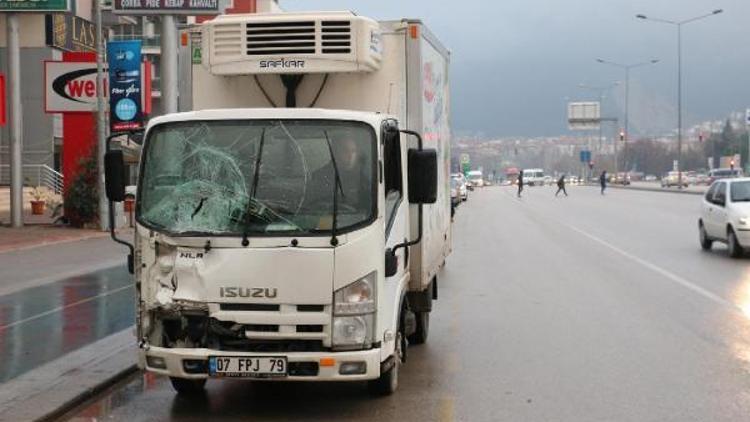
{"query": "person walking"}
{"type": "Point", "coordinates": [561, 185]}
{"type": "Point", "coordinates": [520, 183]}
{"type": "Point", "coordinates": [603, 180]}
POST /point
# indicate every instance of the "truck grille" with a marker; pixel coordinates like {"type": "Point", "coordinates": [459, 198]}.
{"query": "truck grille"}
{"type": "Point", "coordinates": [227, 40]}
{"type": "Point", "coordinates": [336, 37]}
{"type": "Point", "coordinates": [270, 38]}
{"type": "Point", "coordinates": [298, 37]}
{"type": "Point", "coordinates": [272, 322]}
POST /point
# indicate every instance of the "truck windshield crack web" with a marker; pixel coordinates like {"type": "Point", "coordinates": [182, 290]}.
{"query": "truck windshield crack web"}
{"type": "Point", "coordinates": [212, 176]}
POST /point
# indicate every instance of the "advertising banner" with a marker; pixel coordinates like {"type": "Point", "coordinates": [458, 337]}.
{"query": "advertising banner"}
{"type": "Point", "coordinates": [70, 86]}
{"type": "Point", "coordinates": [34, 5]}
{"type": "Point", "coordinates": [170, 7]}
{"type": "Point", "coordinates": [125, 105]}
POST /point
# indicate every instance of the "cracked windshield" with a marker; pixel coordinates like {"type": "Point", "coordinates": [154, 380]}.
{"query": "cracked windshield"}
{"type": "Point", "coordinates": [224, 177]}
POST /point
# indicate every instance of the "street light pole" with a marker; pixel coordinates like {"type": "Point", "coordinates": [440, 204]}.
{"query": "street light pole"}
{"type": "Point", "coordinates": [627, 68]}
{"type": "Point", "coordinates": [679, 24]}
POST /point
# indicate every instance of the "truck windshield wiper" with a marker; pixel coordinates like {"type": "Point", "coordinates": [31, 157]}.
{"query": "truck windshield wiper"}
{"type": "Point", "coordinates": [336, 186]}
{"type": "Point", "coordinates": [246, 226]}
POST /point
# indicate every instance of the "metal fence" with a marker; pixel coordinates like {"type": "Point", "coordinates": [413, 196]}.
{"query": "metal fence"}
{"type": "Point", "coordinates": [35, 175]}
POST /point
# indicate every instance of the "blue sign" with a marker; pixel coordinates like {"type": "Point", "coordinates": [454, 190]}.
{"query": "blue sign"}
{"type": "Point", "coordinates": [125, 107]}
{"type": "Point", "coordinates": [585, 156]}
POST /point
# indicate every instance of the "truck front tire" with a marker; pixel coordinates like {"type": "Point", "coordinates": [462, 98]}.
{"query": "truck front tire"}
{"type": "Point", "coordinates": [188, 387]}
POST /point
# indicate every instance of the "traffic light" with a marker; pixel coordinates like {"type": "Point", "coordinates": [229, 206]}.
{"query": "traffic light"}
{"type": "Point", "coordinates": [731, 165]}
{"type": "Point", "coordinates": [591, 165]}
{"type": "Point", "coordinates": [622, 136]}
{"type": "Point", "coordinates": [700, 137]}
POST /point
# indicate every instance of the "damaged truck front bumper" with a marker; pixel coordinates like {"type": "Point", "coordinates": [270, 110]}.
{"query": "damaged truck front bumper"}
{"type": "Point", "coordinates": [302, 366]}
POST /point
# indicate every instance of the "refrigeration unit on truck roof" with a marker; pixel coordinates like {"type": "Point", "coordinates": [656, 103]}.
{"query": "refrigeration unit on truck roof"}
{"type": "Point", "coordinates": [321, 42]}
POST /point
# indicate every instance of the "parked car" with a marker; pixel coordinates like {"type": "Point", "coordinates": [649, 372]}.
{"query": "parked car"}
{"type": "Point", "coordinates": [650, 178]}
{"type": "Point", "coordinates": [672, 179]}
{"type": "Point", "coordinates": [725, 215]}
{"type": "Point", "coordinates": [702, 179]}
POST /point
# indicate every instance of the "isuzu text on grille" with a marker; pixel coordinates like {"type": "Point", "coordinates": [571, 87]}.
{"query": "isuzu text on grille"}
{"type": "Point", "coordinates": [247, 292]}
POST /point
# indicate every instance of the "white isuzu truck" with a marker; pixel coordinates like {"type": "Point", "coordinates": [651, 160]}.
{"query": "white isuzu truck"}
{"type": "Point", "coordinates": [293, 226]}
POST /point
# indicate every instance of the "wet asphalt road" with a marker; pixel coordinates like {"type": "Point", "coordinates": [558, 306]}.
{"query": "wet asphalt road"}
{"type": "Point", "coordinates": [43, 323]}
{"type": "Point", "coordinates": [585, 308]}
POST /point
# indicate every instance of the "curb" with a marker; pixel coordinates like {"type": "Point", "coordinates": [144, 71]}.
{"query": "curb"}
{"type": "Point", "coordinates": [57, 241]}
{"type": "Point", "coordinates": [645, 189]}
{"type": "Point", "coordinates": [55, 388]}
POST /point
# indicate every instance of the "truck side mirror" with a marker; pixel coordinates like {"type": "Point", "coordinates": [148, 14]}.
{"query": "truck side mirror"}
{"type": "Point", "coordinates": [422, 176]}
{"type": "Point", "coordinates": [114, 175]}
{"type": "Point", "coordinates": [391, 263]}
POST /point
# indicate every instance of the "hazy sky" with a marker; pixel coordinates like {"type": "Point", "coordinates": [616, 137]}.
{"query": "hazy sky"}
{"type": "Point", "coordinates": [516, 63]}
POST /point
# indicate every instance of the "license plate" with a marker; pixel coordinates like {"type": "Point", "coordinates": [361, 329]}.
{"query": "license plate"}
{"type": "Point", "coordinates": [252, 367]}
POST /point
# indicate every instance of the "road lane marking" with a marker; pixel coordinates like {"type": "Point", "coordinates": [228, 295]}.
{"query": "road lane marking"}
{"type": "Point", "coordinates": [653, 267]}
{"type": "Point", "coordinates": [446, 412]}
{"type": "Point", "coordinates": [60, 308]}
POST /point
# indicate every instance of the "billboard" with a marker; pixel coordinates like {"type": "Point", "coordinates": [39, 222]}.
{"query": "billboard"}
{"type": "Point", "coordinates": [125, 102]}
{"type": "Point", "coordinates": [67, 32]}
{"type": "Point", "coordinates": [70, 87]}
{"type": "Point", "coordinates": [169, 7]}
{"type": "Point", "coordinates": [584, 115]}
{"type": "Point", "coordinates": [34, 6]}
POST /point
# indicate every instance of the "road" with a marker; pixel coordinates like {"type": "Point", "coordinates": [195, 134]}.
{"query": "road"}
{"type": "Point", "coordinates": [584, 308]}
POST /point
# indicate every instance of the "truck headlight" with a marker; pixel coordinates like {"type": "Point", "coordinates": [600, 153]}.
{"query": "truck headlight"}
{"type": "Point", "coordinates": [744, 221]}
{"type": "Point", "coordinates": [354, 313]}
{"type": "Point", "coordinates": [357, 298]}
{"type": "Point", "coordinates": [352, 332]}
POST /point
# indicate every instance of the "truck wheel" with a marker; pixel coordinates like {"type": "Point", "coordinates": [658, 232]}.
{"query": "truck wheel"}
{"type": "Point", "coordinates": [387, 383]}
{"type": "Point", "coordinates": [188, 387]}
{"type": "Point", "coordinates": [423, 328]}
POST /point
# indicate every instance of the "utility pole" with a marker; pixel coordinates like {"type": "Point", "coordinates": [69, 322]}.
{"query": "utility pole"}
{"type": "Point", "coordinates": [16, 120]}
{"type": "Point", "coordinates": [101, 122]}
{"type": "Point", "coordinates": [169, 63]}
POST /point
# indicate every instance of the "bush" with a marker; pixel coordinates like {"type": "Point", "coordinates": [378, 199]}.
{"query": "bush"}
{"type": "Point", "coordinates": [81, 197]}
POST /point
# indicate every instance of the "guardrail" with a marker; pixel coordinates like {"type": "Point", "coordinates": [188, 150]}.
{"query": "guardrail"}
{"type": "Point", "coordinates": [35, 175]}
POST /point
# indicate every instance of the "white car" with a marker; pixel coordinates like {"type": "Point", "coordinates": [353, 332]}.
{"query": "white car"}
{"type": "Point", "coordinates": [725, 215]}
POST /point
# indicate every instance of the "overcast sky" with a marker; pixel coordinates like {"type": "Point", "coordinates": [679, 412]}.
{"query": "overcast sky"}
{"type": "Point", "coordinates": [516, 63]}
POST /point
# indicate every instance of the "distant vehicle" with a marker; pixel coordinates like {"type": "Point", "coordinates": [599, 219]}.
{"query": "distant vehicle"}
{"type": "Point", "coordinates": [463, 189]}
{"type": "Point", "coordinates": [548, 180]}
{"type": "Point", "coordinates": [475, 178]}
{"type": "Point", "coordinates": [620, 178]}
{"type": "Point", "coordinates": [725, 215]}
{"type": "Point", "coordinates": [572, 180]}
{"type": "Point", "coordinates": [511, 175]}
{"type": "Point", "coordinates": [533, 177]}
{"type": "Point", "coordinates": [672, 179]}
{"type": "Point", "coordinates": [724, 173]}
{"type": "Point", "coordinates": [650, 178]}
{"type": "Point", "coordinates": [702, 179]}
{"type": "Point", "coordinates": [455, 192]}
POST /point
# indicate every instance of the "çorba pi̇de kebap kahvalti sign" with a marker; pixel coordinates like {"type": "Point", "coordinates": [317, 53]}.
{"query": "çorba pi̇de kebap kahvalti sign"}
{"type": "Point", "coordinates": [170, 7]}
{"type": "Point", "coordinates": [125, 106]}
{"type": "Point", "coordinates": [33, 5]}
